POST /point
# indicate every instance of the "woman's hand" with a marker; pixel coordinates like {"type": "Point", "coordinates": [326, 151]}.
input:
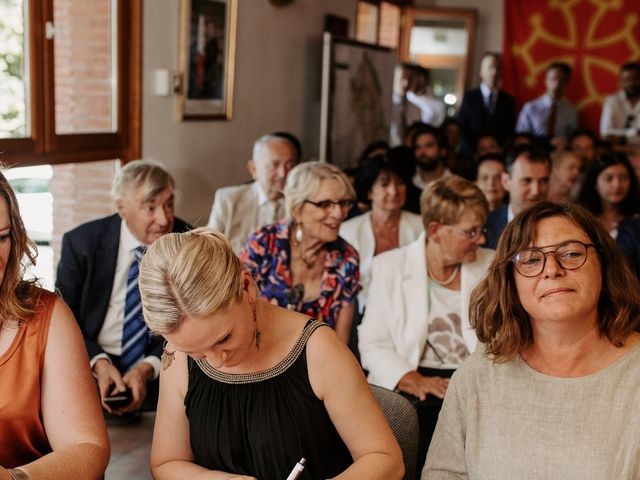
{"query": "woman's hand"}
{"type": "Point", "coordinates": [421, 386]}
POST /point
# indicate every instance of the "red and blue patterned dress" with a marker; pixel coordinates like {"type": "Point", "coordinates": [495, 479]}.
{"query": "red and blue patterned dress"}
{"type": "Point", "coordinates": [267, 255]}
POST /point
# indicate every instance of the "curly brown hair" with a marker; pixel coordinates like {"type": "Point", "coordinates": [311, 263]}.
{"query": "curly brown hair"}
{"type": "Point", "coordinates": [496, 312]}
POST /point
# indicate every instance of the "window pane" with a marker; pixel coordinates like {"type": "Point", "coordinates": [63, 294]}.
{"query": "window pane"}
{"type": "Point", "coordinates": [84, 65]}
{"type": "Point", "coordinates": [389, 25]}
{"type": "Point", "coordinates": [367, 23]}
{"type": "Point", "coordinates": [13, 77]}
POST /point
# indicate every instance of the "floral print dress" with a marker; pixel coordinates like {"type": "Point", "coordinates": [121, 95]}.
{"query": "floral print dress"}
{"type": "Point", "coordinates": [267, 255]}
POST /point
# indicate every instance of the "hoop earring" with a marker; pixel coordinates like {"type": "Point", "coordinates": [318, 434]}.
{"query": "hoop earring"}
{"type": "Point", "coordinates": [167, 357]}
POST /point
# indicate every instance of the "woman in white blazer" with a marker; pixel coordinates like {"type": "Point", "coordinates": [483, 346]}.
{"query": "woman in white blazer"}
{"type": "Point", "coordinates": [382, 183]}
{"type": "Point", "coordinates": [415, 330]}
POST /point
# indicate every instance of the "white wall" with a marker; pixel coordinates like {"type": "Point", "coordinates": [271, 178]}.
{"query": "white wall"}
{"type": "Point", "coordinates": [276, 87]}
{"type": "Point", "coordinates": [489, 32]}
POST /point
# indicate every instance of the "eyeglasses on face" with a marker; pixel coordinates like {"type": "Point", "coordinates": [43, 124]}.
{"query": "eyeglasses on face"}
{"type": "Point", "coordinates": [326, 205]}
{"type": "Point", "coordinates": [471, 234]}
{"type": "Point", "coordinates": [570, 255]}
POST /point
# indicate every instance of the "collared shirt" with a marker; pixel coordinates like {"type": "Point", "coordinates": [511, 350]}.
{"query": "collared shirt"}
{"type": "Point", "coordinates": [432, 109]}
{"type": "Point", "coordinates": [620, 118]}
{"type": "Point", "coordinates": [269, 211]}
{"type": "Point", "coordinates": [486, 96]}
{"type": "Point", "coordinates": [110, 337]}
{"type": "Point", "coordinates": [510, 214]}
{"type": "Point", "coordinates": [534, 117]}
{"type": "Point", "coordinates": [421, 184]}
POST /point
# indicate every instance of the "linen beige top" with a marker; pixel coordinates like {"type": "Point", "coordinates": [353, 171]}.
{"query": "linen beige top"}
{"type": "Point", "coordinates": [507, 421]}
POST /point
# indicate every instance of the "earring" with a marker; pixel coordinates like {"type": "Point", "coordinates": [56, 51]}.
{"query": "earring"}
{"type": "Point", "coordinates": [167, 357]}
{"type": "Point", "coordinates": [297, 234]}
{"type": "Point", "coordinates": [257, 332]}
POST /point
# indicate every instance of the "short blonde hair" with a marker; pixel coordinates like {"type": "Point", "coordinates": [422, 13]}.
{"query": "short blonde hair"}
{"type": "Point", "coordinates": [141, 172]}
{"type": "Point", "coordinates": [445, 201]}
{"type": "Point", "coordinates": [191, 274]}
{"type": "Point", "coordinates": [304, 181]}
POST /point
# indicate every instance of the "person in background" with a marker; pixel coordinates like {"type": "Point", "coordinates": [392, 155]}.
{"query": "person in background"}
{"type": "Point", "coordinates": [487, 143]}
{"type": "Point", "coordinates": [490, 168]}
{"type": "Point", "coordinates": [550, 116]}
{"type": "Point", "coordinates": [554, 390]}
{"type": "Point", "coordinates": [432, 109]}
{"type": "Point", "coordinates": [583, 143]}
{"type": "Point", "coordinates": [50, 421]}
{"type": "Point", "coordinates": [382, 183]}
{"type": "Point", "coordinates": [526, 179]}
{"type": "Point", "coordinates": [565, 176]}
{"type": "Point", "coordinates": [487, 109]}
{"type": "Point", "coordinates": [300, 262]}
{"type": "Point", "coordinates": [415, 331]}
{"type": "Point", "coordinates": [610, 191]}
{"type": "Point", "coordinates": [249, 387]}
{"type": "Point", "coordinates": [239, 210]}
{"type": "Point", "coordinates": [620, 118]}
{"type": "Point", "coordinates": [430, 149]}
{"type": "Point", "coordinates": [98, 278]}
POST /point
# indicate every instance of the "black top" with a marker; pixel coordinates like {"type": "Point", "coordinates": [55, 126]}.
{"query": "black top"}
{"type": "Point", "coordinates": [260, 424]}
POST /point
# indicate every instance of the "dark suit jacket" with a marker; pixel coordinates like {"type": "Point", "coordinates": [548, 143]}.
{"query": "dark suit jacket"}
{"type": "Point", "coordinates": [628, 240]}
{"type": "Point", "coordinates": [85, 275]}
{"type": "Point", "coordinates": [475, 119]}
{"type": "Point", "coordinates": [496, 222]}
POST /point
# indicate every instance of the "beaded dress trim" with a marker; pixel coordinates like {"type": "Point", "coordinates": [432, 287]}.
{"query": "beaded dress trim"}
{"type": "Point", "coordinates": [277, 369]}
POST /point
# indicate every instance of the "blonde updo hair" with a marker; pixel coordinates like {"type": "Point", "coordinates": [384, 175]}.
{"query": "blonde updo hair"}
{"type": "Point", "coordinates": [304, 181]}
{"type": "Point", "coordinates": [445, 200]}
{"type": "Point", "coordinates": [191, 274]}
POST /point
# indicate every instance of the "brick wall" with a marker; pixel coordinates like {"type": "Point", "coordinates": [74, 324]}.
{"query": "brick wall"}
{"type": "Point", "coordinates": [81, 192]}
{"type": "Point", "coordinates": [82, 58]}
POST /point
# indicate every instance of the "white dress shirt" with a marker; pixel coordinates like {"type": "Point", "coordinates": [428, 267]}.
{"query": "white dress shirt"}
{"type": "Point", "coordinates": [110, 336]}
{"type": "Point", "coordinates": [620, 118]}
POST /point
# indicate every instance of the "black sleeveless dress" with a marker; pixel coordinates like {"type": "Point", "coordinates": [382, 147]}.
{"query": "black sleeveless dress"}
{"type": "Point", "coordinates": [260, 424]}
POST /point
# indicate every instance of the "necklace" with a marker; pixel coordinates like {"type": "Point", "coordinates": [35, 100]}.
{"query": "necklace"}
{"type": "Point", "coordinates": [446, 282]}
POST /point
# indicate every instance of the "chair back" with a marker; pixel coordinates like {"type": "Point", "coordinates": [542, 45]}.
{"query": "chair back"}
{"type": "Point", "coordinates": [403, 419]}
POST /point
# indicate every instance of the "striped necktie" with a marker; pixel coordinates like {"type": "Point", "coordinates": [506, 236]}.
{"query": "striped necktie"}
{"type": "Point", "coordinates": [134, 331]}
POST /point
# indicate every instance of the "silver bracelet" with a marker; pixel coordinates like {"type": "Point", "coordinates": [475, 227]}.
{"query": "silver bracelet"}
{"type": "Point", "coordinates": [17, 474]}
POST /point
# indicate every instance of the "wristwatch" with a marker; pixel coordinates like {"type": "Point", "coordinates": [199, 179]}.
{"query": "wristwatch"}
{"type": "Point", "coordinates": [17, 474]}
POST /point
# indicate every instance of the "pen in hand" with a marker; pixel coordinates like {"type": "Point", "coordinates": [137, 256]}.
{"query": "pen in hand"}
{"type": "Point", "coordinates": [297, 470]}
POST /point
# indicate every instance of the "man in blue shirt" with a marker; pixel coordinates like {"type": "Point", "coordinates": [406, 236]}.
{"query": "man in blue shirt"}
{"type": "Point", "coordinates": [549, 116]}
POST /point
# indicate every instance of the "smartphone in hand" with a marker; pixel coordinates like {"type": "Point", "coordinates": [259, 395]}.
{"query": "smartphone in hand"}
{"type": "Point", "coordinates": [119, 400]}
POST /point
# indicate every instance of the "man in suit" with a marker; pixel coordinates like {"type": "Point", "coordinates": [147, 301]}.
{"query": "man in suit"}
{"type": "Point", "coordinates": [240, 210]}
{"type": "Point", "coordinates": [528, 169]}
{"type": "Point", "coordinates": [97, 277]}
{"type": "Point", "coordinates": [487, 109]}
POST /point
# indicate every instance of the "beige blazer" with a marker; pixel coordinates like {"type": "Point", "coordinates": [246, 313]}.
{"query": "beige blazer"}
{"type": "Point", "coordinates": [235, 213]}
{"type": "Point", "coordinates": [395, 324]}
{"type": "Point", "coordinates": [358, 231]}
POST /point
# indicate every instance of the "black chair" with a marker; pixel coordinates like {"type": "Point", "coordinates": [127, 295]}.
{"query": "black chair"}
{"type": "Point", "coordinates": [403, 419]}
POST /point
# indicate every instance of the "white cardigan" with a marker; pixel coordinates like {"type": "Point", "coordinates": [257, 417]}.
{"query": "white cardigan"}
{"type": "Point", "coordinates": [358, 231]}
{"type": "Point", "coordinates": [394, 328]}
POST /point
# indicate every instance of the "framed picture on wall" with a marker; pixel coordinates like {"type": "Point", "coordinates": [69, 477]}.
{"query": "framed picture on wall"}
{"type": "Point", "coordinates": [207, 55]}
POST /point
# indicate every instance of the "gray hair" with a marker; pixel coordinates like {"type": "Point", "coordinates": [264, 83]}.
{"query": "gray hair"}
{"type": "Point", "coordinates": [304, 181]}
{"type": "Point", "coordinates": [148, 173]}
{"type": "Point", "coordinates": [264, 140]}
{"type": "Point", "coordinates": [191, 274]}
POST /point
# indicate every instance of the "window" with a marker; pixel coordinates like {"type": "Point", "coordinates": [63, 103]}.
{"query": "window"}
{"type": "Point", "coordinates": [69, 80]}
{"type": "Point", "coordinates": [378, 22]}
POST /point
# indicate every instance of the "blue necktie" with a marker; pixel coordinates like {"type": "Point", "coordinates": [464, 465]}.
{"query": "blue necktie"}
{"type": "Point", "coordinates": [134, 331]}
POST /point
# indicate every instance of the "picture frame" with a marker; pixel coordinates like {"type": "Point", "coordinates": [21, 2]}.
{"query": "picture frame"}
{"type": "Point", "coordinates": [207, 59]}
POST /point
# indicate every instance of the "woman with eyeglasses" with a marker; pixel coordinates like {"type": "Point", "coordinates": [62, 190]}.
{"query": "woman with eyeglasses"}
{"type": "Point", "coordinates": [300, 262]}
{"type": "Point", "coordinates": [415, 331]}
{"type": "Point", "coordinates": [554, 391]}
